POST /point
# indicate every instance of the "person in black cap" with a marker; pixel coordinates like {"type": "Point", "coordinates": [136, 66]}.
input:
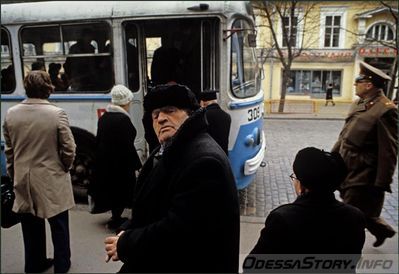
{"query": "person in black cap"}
{"type": "Point", "coordinates": [368, 143]}
{"type": "Point", "coordinates": [185, 213]}
{"type": "Point", "coordinates": [219, 121]}
{"type": "Point", "coordinates": [315, 223]}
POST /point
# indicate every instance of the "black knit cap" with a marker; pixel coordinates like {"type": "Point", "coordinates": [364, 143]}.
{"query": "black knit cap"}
{"type": "Point", "coordinates": [319, 170]}
{"type": "Point", "coordinates": [179, 96]}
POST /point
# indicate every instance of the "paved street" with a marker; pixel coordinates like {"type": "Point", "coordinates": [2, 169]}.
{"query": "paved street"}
{"type": "Point", "coordinates": [284, 137]}
{"type": "Point", "coordinates": [272, 188]}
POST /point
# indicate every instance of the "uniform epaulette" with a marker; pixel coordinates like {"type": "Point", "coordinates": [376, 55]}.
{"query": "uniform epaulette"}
{"type": "Point", "coordinates": [390, 103]}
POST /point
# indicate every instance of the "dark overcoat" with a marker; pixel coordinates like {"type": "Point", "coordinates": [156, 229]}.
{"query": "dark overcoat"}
{"type": "Point", "coordinates": [329, 93]}
{"type": "Point", "coordinates": [219, 123]}
{"type": "Point", "coordinates": [116, 161]}
{"type": "Point", "coordinates": [185, 215]}
{"type": "Point", "coordinates": [368, 143]}
{"type": "Point", "coordinates": [313, 224]}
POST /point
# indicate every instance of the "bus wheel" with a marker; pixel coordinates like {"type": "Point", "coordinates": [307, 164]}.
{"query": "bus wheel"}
{"type": "Point", "coordinates": [82, 169]}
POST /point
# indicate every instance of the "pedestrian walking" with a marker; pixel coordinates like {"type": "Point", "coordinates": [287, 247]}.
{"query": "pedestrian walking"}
{"type": "Point", "coordinates": [185, 216]}
{"type": "Point", "coordinates": [315, 223]}
{"type": "Point", "coordinates": [329, 94]}
{"type": "Point", "coordinates": [40, 150]}
{"type": "Point", "coordinates": [116, 158]}
{"type": "Point", "coordinates": [219, 121]}
{"type": "Point", "coordinates": [368, 143]}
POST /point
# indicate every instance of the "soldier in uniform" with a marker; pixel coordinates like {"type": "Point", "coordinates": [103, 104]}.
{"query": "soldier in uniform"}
{"type": "Point", "coordinates": [218, 120]}
{"type": "Point", "coordinates": [368, 144]}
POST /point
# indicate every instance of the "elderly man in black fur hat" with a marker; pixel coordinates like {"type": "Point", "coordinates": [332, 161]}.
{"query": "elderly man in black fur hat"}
{"type": "Point", "coordinates": [185, 215]}
{"type": "Point", "coordinates": [369, 143]}
{"type": "Point", "coordinates": [315, 223]}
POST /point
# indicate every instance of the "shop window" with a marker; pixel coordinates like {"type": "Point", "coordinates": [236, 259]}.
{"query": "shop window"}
{"type": "Point", "coordinates": [313, 82]}
{"type": "Point", "coordinates": [78, 57]}
{"type": "Point", "coordinates": [7, 66]}
{"type": "Point", "coordinates": [380, 32]}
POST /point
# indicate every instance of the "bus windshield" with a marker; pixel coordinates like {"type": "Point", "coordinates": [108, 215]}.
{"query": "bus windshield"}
{"type": "Point", "coordinates": [243, 62]}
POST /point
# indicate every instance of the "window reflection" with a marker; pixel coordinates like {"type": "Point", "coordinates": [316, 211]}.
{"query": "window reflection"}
{"type": "Point", "coordinates": [78, 57]}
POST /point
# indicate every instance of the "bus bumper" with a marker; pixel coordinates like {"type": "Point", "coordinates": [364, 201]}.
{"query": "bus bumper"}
{"type": "Point", "coordinates": [253, 164]}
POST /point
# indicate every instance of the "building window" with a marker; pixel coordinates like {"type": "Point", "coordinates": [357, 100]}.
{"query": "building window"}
{"type": "Point", "coordinates": [314, 82]}
{"type": "Point", "coordinates": [287, 22]}
{"type": "Point", "coordinates": [332, 27]}
{"type": "Point", "coordinates": [380, 32]}
{"type": "Point", "coordinates": [332, 31]}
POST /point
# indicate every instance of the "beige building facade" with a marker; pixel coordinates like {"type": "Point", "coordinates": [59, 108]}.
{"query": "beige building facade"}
{"type": "Point", "coordinates": [331, 37]}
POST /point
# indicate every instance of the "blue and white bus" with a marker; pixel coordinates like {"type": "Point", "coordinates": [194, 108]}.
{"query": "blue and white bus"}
{"type": "Point", "coordinates": [216, 41]}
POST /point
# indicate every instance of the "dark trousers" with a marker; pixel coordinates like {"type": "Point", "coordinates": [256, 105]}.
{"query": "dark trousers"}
{"type": "Point", "coordinates": [370, 201]}
{"type": "Point", "coordinates": [34, 235]}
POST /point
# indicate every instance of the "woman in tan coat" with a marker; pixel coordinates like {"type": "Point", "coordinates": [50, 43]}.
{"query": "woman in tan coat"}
{"type": "Point", "coordinates": [40, 150]}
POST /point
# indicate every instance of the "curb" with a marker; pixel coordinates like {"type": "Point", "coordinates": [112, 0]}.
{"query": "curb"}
{"type": "Point", "coordinates": [304, 118]}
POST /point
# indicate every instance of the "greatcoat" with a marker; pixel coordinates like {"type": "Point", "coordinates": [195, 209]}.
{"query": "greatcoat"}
{"type": "Point", "coordinates": [368, 143]}
{"type": "Point", "coordinates": [40, 150]}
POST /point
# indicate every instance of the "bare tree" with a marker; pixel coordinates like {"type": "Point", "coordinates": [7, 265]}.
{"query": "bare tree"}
{"type": "Point", "coordinates": [393, 10]}
{"type": "Point", "coordinates": [288, 20]}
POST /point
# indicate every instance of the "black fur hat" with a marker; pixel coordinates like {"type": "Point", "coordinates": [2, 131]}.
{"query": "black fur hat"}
{"type": "Point", "coordinates": [179, 96]}
{"type": "Point", "coordinates": [318, 170]}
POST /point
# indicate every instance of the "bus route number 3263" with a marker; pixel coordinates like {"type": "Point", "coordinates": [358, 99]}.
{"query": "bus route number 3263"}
{"type": "Point", "coordinates": [253, 113]}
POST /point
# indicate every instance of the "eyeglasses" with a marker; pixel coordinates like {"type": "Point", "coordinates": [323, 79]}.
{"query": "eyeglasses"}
{"type": "Point", "coordinates": [362, 79]}
{"type": "Point", "coordinates": [293, 177]}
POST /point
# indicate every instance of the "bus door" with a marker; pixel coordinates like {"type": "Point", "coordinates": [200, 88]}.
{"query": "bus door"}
{"type": "Point", "coordinates": [165, 51]}
{"type": "Point", "coordinates": [135, 81]}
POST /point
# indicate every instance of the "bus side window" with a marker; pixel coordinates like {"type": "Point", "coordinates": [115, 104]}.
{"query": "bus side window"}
{"type": "Point", "coordinates": [7, 67]}
{"type": "Point", "coordinates": [79, 60]}
{"type": "Point", "coordinates": [89, 63]}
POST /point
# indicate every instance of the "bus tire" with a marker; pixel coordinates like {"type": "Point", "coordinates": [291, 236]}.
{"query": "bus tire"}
{"type": "Point", "coordinates": [82, 169]}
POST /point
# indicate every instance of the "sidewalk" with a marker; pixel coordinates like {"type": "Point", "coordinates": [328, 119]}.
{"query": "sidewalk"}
{"type": "Point", "coordinates": [295, 109]}
{"type": "Point", "coordinates": [88, 233]}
